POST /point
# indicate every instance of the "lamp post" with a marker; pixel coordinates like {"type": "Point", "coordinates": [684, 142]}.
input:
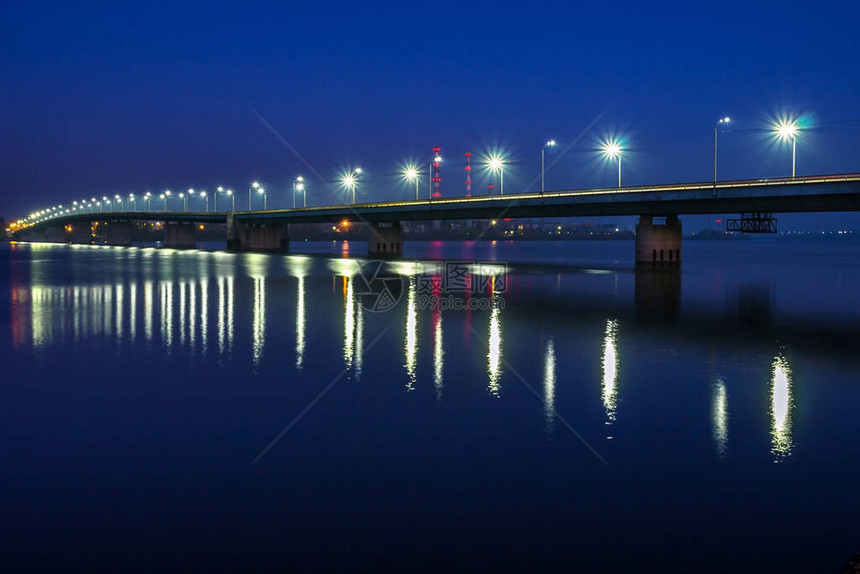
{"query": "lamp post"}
{"type": "Point", "coordinates": [497, 163]}
{"type": "Point", "coordinates": [166, 196]}
{"type": "Point", "coordinates": [233, 197]}
{"type": "Point", "coordinates": [299, 185]}
{"type": "Point", "coordinates": [254, 186]}
{"type": "Point", "coordinates": [218, 190]}
{"type": "Point", "coordinates": [787, 130]}
{"type": "Point", "coordinates": [206, 197]}
{"type": "Point", "coordinates": [717, 125]}
{"type": "Point", "coordinates": [133, 201]}
{"type": "Point", "coordinates": [550, 143]}
{"type": "Point", "coordinates": [350, 181]}
{"type": "Point", "coordinates": [612, 149]}
{"type": "Point", "coordinates": [263, 192]}
{"type": "Point", "coordinates": [118, 200]}
{"type": "Point", "coordinates": [410, 173]}
{"type": "Point", "coordinates": [147, 198]}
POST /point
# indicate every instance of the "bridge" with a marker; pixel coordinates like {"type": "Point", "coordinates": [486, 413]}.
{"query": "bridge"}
{"type": "Point", "coordinates": [658, 241]}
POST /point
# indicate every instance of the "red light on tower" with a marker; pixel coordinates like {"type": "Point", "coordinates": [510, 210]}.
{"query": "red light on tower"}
{"type": "Point", "coordinates": [468, 174]}
{"type": "Point", "coordinates": [437, 180]}
{"type": "Point", "coordinates": [490, 189]}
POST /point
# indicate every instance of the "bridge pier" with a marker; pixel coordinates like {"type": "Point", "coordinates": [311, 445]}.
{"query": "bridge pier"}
{"type": "Point", "coordinates": [266, 237]}
{"type": "Point", "coordinates": [81, 233]}
{"type": "Point", "coordinates": [658, 244]}
{"type": "Point", "coordinates": [180, 235]}
{"type": "Point", "coordinates": [119, 233]}
{"type": "Point", "coordinates": [385, 239]}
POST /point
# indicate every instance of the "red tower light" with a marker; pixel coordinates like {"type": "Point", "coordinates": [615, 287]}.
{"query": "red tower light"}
{"type": "Point", "coordinates": [436, 178]}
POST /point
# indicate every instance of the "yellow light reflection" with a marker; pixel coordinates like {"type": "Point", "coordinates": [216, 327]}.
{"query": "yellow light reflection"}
{"type": "Point", "coordinates": [720, 417]}
{"type": "Point", "coordinates": [549, 384]}
{"type": "Point", "coordinates": [438, 353]}
{"type": "Point", "coordinates": [192, 314]}
{"type": "Point", "coordinates": [222, 313]}
{"type": "Point", "coordinates": [348, 323]}
{"type": "Point", "coordinates": [610, 371]}
{"type": "Point", "coordinates": [119, 313]}
{"type": "Point", "coordinates": [359, 339]}
{"type": "Point", "coordinates": [204, 313]}
{"type": "Point", "coordinates": [182, 313]}
{"type": "Point", "coordinates": [494, 351]}
{"type": "Point", "coordinates": [410, 343]}
{"type": "Point", "coordinates": [300, 323]}
{"type": "Point", "coordinates": [132, 311]}
{"type": "Point", "coordinates": [782, 405]}
{"type": "Point", "coordinates": [148, 310]}
{"type": "Point", "coordinates": [259, 319]}
{"type": "Point", "coordinates": [230, 302]}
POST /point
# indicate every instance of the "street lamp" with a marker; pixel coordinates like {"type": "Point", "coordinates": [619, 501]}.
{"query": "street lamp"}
{"type": "Point", "coordinates": [550, 143]}
{"type": "Point", "coordinates": [612, 149]}
{"type": "Point", "coordinates": [184, 199]}
{"type": "Point", "coordinates": [233, 197]}
{"type": "Point", "coordinates": [254, 186]}
{"type": "Point", "coordinates": [410, 173]}
{"type": "Point", "coordinates": [263, 192]}
{"type": "Point", "coordinates": [119, 200]}
{"type": "Point", "coordinates": [787, 130]}
{"type": "Point", "coordinates": [497, 164]}
{"type": "Point", "coordinates": [147, 198]}
{"type": "Point", "coordinates": [133, 201]}
{"type": "Point", "coordinates": [350, 181]}
{"type": "Point", "coordinates": [166, 196]}
{"type": "Point", "coordinates": [299, 185]}
{"type": "Point", "coordinates": [722, 121]}
{"type": "Point", "coordinates": [206, 197]}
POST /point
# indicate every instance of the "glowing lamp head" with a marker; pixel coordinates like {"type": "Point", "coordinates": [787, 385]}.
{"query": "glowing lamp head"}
{"type": "Point", "coordinates": [220, 188]}
{"type": "Point", "coordinates": [348, 181]}
{"type": "Point", "coordinates": [358, 170]}
{"type": "Point", "coordinates": [410, 173]}
{"type": "Point", "coordinates": [300, 179]}
{"type": "Point", "coordinates": [261, 190]}
{"type": "Point", "coordinates": [611, 149]}
{"type": "Point", "coordinates": [550, 143]}
{"type": "Point", "coordinates": [300, 186]}
{"type": "Point", "coordinates": [229, 192]}
{"type": "Point", "coordinates": [787, 130]}
{"type": "Point", "coordinates": [495, 162]}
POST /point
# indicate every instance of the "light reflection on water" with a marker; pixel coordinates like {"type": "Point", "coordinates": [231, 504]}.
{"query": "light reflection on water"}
{"type": "Point", "coordinates": [782, 404]}
{"type": "Point", "coordinates": [610, 372]}
{"type": "Point", "coordinates": [127, 309]}
{"type": "Point", "coordinates": [720, 416]}
{"type": "Point", "coordinates": [410, 342]}
{"type": "Point", "coordinates": [549, 384]}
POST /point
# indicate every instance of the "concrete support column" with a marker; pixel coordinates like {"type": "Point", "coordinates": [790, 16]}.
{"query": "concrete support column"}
{"type": "Point", "coordinates": [385, 239]}
{"type": "Point", "coordinates": [263, 237]}
{"type": "Point", "coordinates": [180, 235]}
{"type": "Point", "coordinates": [119, 233]}
{"type": "Point", "coordinates": [658, 244]}
{"type": "Point", "coordinates": [82, 233]}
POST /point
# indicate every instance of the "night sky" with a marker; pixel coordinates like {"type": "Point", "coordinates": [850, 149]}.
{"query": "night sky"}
{"type": "Point", "coordinates": [101, 99]}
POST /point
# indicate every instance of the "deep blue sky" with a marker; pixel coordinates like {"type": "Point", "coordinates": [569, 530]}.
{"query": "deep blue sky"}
{"type": "Point", "coordinates": [101, 99]}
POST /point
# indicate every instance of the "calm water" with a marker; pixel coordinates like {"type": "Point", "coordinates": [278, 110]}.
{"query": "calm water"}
{"type": "Point", "coordinates": [170, 410]}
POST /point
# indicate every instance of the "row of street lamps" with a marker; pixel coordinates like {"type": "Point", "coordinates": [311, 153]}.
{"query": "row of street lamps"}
{"type": "Point", "coordinates": [612, 149]}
